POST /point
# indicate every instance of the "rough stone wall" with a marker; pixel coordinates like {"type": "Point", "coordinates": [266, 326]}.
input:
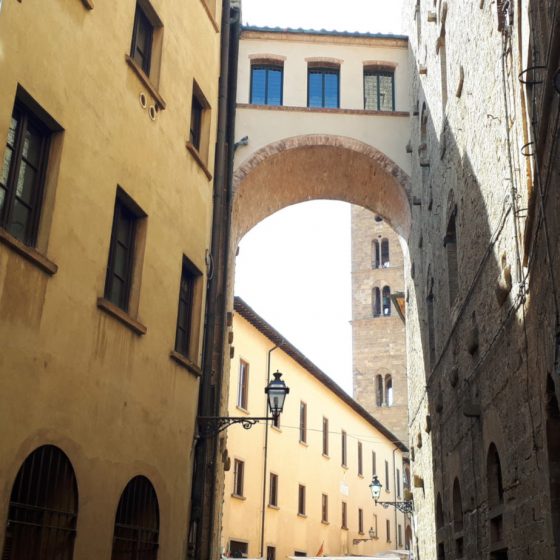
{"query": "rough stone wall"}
{"type": "Point", "coordinates": [490, 378]}
{"type": "Point", "coordinates": [378, 343]}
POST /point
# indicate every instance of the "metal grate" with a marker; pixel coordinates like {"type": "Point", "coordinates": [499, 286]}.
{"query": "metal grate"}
{"type": "Point", "coordinates": [43, 508]}
{"type": "Point", "coordinates": [137, 522]}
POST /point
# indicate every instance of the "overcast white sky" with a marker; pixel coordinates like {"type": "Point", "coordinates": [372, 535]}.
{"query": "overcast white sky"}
{"type": "Point", "coordinates": [294, 267]}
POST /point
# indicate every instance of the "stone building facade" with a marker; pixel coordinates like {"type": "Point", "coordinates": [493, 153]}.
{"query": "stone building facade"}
{"type": "Point", "coordinates": [482, 284]}
{"type": "Point", "coordinates": [378, 339]}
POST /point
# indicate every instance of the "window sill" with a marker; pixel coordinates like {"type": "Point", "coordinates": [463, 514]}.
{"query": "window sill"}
{"type": "Point", "coordinates": [304, 443]}
{"type": "Point", "coordinates": [141, 75]}
{"type": "Point", "coordinates": [326, 456]}
{"type": "Point", "coordinates": [345, 467]}
{"type": "Point", "coordinates": [360, 475]}
{"type": "Point", "coordinates": [302, 515]}
{"type": "Point", "coordinates": [344, 528]}
{"type": "Point", "coordinates": [32, 255]}
{"type": "Point", "coordinates": [272, 506]}
{"type": "Point", "coordinates": [186, 363]}
{"type": "Point", "coordinates": [135, 326]}
{"type": "Point", "coordinates": [323, 522]}
{"type": "Point", "coordinates": [88, 4]}
{"type": "Point", "coordinates": [196, 155]}
{"type": "Point", "coordinates": [244, 410]}
{"type": "Point", "coordinates": [238, 497]}
{"type": "Point", "coordinates": [210, 16]}
{"type": "Point", "coordinates": [276, 428]}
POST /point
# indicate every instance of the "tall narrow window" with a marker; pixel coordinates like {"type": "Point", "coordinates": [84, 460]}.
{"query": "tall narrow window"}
{"type": "Point", "coordinates": [360, 459]}
{"type": "Point", "coordinates": [200, 124]}
{"type": "Point", "coordinates": [387, 479]}
{"type": "Point", "coordinates": [374, 526]}
{"type": "Point", "coordinates": [386, 301]}
{"type": "Point", "coordinates": [184, 336]}
{"type": "Point", "coordinates": [376, 302]}
{"type": "Point", "coordinates": [325, 436]}
{"type": "Point", "coordinates": [385, 253]}
{"type": "Point", "coordinates": [495, 502]}
{"type": "Point", "coordinates": [122, 250]}
{"type": "Point", "coordinates": [22, 174]}
{"type": "Point", "coordinates": [343, 449]}
{"type": "Point", "coordinates": [375, 254]}
{"type": "Point", "coordinates": [360, 521]}
{"type": "Point", "coordinates": [344, 524]}
{"type": "Point", "coordinates": [43, 508]}
{"type": "Point", "coordinates": [373, 464]}
{"type": "Point", "coordinates": [302, 422]}
{"type": "Point", "coordinates": [266, 84]}
{"type": "Point", "coordinates": [399, 536]}
{"type": "Point", "coordinates": [273, 490]}
{"type": "Point", "coordinates": [379, 390]}
{"type": "Point", "coordinates": [136, 522]}
{"type": "Point", "coordinates": [270, 553]}
{"type": "Point", "coordinates": [379, 90]}
{"type": "Point", "coordinates": [450, 243]}
{"type": "Point", "coordinates": [196, 122]}
{"type": "Point", "coordinates": [238, 477]}
{"type": "Point", "coordinates": [324, 508]}
{"type": "Point", "coordinates": [323, 87]}
{"type": "Point", "coordinates": [398, 483]}
{"type": "Point", "coordinates": [142, 37]}
{"type": "Point", "coordinates": [243, 385]}
{"type": "Point", "coordinates": [431, 329]}
{"type": "Point", "coordinates": [388, 390]}
{"type": "Point", "coordinates": [301, 499]}
{"type": "Point", "coordinates": [388, 530]}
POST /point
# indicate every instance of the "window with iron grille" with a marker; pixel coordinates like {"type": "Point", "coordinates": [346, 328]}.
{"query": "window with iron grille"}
{"type": "Point", "coordinates": [344, 523]}
{"type": "Point", "coordinates": [43, 508]}
{"type": "Point", "coordinates": [136, 532]}
{"type": "Point", "coordinates": [142, 38]}
{"type": "Point", "coordinates": [360, 459]}
{"type": "Point", "coordinates": [344, 458]}
{"type": "Point", "coordinates": [323, 89]}
{"type": "Point", "coordinates": [266, 84]}
{"type": "Point", "coordinates": [302, 422]}
{"type": "Point", "coordinates": [243, 385]}
{"type": "Point", "coordinates": [301, 499]}
{"type": "Point", "coordinates": [360, 521]}
{"type": "Point", "coordinates": [325, 436]}
{"type": "Point", "coordinates": [238, 477]}
{"type": "Point", "coordinates": [184, 334]}
{"type": "Point", "coordinates": [379, 90]}
{"type": "Point", "coordinates": [22, 174]}
{"type": "Point", "coordinates": [121, 251]}
{"type": "Point", "coordinates": [324, 508]}
{"type": "Point", "coordinates": [273, 490]}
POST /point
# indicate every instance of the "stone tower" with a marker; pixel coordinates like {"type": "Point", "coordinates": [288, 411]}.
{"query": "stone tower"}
{"type": "Point", "coordinates": [378, 338]}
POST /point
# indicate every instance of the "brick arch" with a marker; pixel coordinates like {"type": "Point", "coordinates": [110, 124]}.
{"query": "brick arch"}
{"type": "Point", "coordinates": [317, 166]}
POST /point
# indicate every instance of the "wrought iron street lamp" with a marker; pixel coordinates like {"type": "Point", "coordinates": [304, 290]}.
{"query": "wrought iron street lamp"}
{"type": "Point", "coordinates": [276, 392]}
{"type": "Point", "coordinates": [406, 506]}
{"type": "Point", "coordinates": [371, 534]}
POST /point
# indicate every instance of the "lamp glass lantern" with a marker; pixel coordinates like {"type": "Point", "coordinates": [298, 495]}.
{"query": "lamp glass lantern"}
{"type": "Point", "coordinates": [375, 488]}
{"type": "Point", "coordinates": [276, 392]}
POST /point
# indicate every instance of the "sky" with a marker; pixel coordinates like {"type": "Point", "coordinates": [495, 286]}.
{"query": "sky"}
{"type": "Point", "coordinates": [293, 268]}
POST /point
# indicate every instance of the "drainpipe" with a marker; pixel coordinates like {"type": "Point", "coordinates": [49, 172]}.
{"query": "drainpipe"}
{"type": "Point", "coordinates": [265, 462]}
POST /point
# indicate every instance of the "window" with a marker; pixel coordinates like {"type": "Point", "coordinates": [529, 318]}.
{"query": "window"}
{"type": "Point", "coordinates": [344, 516]}
{"type": "Point", "coordinates": [23, 173]}
{"type": "Point", "coordinates": [299, 553]}
{"type": "Point", "coordinates": [137, 521]}
{"type": "Point", "coordinates": [360, 459]}
{"type": "Point", "coordinates": [387, 481]}
{"type": "Point", "coordinates": [375, 254]}
{"type": "Point", "coordinates": [238, 477]}
{"type": "Point", "coordinates": [343, 448]}
{"type": "Point", "coordinates": [431, 327]}
{"type": "Point", "coordinates": [325, 436]}
{"type": "Point", "coordinates": [450, 243]}
{"type": "Point", "coordinates": [121, 265]}
{"type": "Point", "coordinates": [399, 535]}
{"type": "Point", "coordinates": [495, 498]}
{"type": "Point", "coordinates": [379, 390]}
{"type": "Point", "coordinates": [388, 529]}
{"type": "Point", "coordinates": [323, 87]}
{"type": "Point", "coordinates": [273, 490]}
{"type": "Point", "coordinates": [200, 123]}
{"type": "Point", "coordinates": [270, 553]}
{"type": "Point", "coordinates": [376, 302]}
{"type": "Point", "coordinates": [361, 521]}
{"type": "Point", "coordinates": [374, 525]}
{"type": "Point", "coordinates": [266, 84]}
{"type": "Point", "coordinates": [185, 342]}
{"type": "Point", "coordinates": [238, 549]}
{"type": "Point", "coordinates": [196, 122]}
{"type": "Point", "coordinates": [379, 90]}
{"type": "Point", "coordinates": [388, 390]}
{"type": "Point", "coordinates": [301, 499]}
{"type": "Point", "coordinates": [142, 38]}
{"type": "Point", "coordinates": [43, 507]}
{"type": "Point", "coordinates": [458, 519]}
{"type": "Point", "coordinates": [302, 422]}
{"type": "Point", "coordinates": [398, 483]}
{"type": "Point", "coordinates": [385, 253]}
{"type": "Point", "coordinates": [243, 385]}
{"type": "Point", "coordinates": [324, 508]}
{"type": "Point", "coordinates": [386, 301]}
{"type": "Point", "coordinates": [373, 464]}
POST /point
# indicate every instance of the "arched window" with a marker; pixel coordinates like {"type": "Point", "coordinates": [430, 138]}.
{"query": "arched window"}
{"type": "Point", "coordinates": [386, 301]}
{"type": "Point", "coordinates": [375, 254]}
{"type": "Point", "coordinates": [388, 390]}
{"type": "Point", "coordinates": [379, 390]}
{"type": "Point", "coordinates": [450, 244]}
{"type": "Point", "coordinates": [458, 519]}
{"type": "Point", "coordinates": [431, 325]}
{"type": "Point", "coordinates": [495, 502]}
{"type": "Point", "coordinates": [384, 253]}
{"type": "Point", "coordinates": [136, 530]}
{"type": "Point", "coordinates": [376, 302]}
{"type": "Point", "coordinates": [43, 508]}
